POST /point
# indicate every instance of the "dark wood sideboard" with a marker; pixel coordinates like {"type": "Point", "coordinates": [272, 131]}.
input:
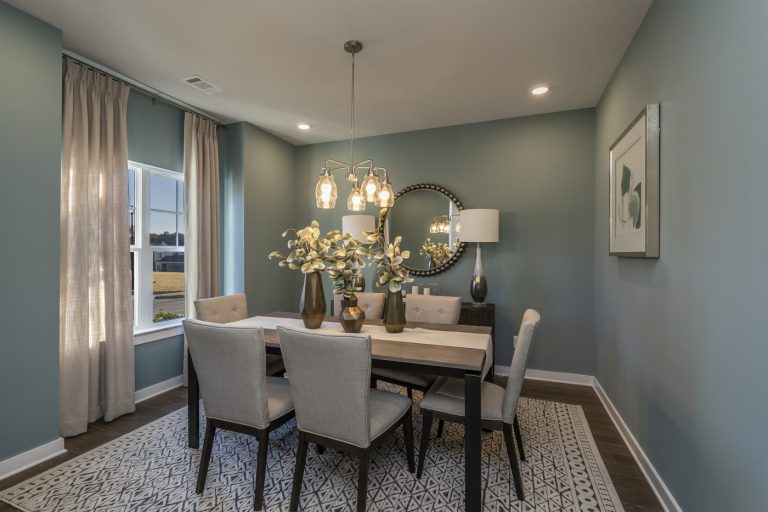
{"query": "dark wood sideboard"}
{"type": "Point", "coordinates": [485, 316]}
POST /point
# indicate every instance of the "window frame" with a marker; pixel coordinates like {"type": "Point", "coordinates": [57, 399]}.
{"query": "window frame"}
{"type": "Point", "coordinates": [144, 328]}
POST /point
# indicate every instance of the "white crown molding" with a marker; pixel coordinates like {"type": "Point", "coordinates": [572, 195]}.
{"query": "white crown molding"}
{"type": "Point", "coordinates": [157, 389]}
{"type": "Point", "coordinates": [31, 457]}
{"type": "Point", "coordinates": [662, 492]}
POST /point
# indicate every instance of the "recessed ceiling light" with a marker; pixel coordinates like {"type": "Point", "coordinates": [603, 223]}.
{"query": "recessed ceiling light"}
{"type": "Point", "coordinates": [303, 126]}
{"type": "Point", "coordinates": [538, 90]}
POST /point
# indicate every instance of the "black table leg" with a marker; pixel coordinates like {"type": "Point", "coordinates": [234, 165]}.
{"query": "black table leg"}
{"type": "Point", "coordinates": [472, 383]}
{"type": "Point", "coordinates": [193, 405]}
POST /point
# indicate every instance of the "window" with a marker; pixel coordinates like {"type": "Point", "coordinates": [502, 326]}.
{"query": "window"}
{"type": "Point", "coordinates": [156, 229]}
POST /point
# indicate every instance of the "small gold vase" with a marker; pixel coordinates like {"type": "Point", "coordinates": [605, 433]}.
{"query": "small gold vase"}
{"type": "Point", "coordinates": [351, 317]}
{"type": "Point", "coordinates": [394, 314]}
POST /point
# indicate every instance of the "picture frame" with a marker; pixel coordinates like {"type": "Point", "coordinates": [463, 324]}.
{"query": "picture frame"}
{"type": "Point", "coordinates": [634, 188]}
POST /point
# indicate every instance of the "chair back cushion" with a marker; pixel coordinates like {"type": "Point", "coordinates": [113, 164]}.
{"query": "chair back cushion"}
{"type": "Point", "coordinates": [531, 319]}
{"type": "Point", "coordinates": [230, 364]}
{"type": "Point", "coordinates": [222, 310]}
{"type": "Point", "coordinates": [330, 378]}
{"type": "Point", "coordinates": [436, 309]}
{"type": "Point", "coordinates": [371, 303]}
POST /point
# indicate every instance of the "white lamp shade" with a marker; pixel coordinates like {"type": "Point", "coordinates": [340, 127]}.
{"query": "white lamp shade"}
{"type": "Point", "coordinates": [479, 225]}
{"type": "Point", "coordinates": [356, 224]}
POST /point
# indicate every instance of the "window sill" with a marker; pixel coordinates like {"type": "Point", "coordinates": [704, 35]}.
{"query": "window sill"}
{"type": "Point", "coordinates": [158, 332]}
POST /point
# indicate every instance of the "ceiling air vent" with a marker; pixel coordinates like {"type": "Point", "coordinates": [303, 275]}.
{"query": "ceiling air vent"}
{"type": "Point", "coordinates": [201, 84]}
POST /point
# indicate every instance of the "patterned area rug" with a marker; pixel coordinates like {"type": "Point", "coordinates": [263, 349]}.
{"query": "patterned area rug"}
{"type": "Point", "coordinates": [151, 469]}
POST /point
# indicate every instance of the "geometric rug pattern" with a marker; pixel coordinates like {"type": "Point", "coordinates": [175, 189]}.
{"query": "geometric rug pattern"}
{"type": "Point", "coordinates": [151, 469]}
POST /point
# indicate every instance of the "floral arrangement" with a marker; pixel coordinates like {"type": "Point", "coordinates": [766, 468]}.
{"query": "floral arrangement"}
{"type": "Point", "coordinates": [437, 253]}
{"type": "Point", "coordinates": [390, 270]}
{"type": "Point", "coordinates": [345, 256]}
{"type": "Point", "coordinates": [308, 250]}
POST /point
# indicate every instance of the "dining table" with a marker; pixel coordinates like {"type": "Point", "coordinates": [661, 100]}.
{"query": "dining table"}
{"type": "Point", "coordinates": [417, 349]}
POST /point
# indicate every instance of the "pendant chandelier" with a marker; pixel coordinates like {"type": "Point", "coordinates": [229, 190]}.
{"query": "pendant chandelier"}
{"type": "Point", "coordinates": [373, 189]}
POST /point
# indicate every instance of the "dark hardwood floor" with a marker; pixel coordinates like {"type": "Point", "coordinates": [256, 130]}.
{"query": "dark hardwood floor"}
{"type": "Point", "coordinates": [635, 493]}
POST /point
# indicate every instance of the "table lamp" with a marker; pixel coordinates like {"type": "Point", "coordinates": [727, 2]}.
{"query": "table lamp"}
{"type": "Point", "coordinates": [356, 225]}
{"type": "Point", "coordinates": [479, 225]}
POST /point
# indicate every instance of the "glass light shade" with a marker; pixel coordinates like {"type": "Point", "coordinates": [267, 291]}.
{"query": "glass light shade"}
{"type": "Point", "coordinates": [386, 197]}
{"type": "Point", "coordinates": [370, 187]}
{"type": "Point", "coordinates": [325, 191]}
{"type": "Point", "coordinates": [355, 200]}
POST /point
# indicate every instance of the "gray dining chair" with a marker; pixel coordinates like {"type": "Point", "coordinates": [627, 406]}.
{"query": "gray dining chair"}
{"type": "Point", "coordinates": [231, 308]}
{"type": "Point", "coordinates": [371, 303]}
{"type": "Point", "coordinates": [436, 309]}
{"type": "Point", "coordinates": [335, 406]}
{"type": "Point", "coordinates": [237, 393]}
{"type": "Point", "coordinates": [498, 407]}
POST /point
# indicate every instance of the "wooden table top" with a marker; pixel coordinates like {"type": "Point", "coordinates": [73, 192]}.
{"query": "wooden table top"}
{"type": "Point", "coordinates": [409, 353]}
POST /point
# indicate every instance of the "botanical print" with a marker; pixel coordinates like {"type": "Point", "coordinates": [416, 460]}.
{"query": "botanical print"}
{"type": "Point", "coordinates": [629, 190]}
{"type": "Point", "coordinates": [634, 188]}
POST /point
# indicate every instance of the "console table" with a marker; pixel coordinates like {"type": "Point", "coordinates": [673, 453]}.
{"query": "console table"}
{"type": "Point", "coordinates": [485, 316]}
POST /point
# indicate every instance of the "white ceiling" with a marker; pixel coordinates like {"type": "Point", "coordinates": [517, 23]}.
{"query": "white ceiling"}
{"type": "Point", "coordinates": [426, 63]}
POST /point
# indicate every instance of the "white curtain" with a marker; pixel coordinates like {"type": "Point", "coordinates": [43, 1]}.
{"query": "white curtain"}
{"type": "Point", "coordinates": [96, 307]}
{"type": "Point", "coordinates": [201, 204]}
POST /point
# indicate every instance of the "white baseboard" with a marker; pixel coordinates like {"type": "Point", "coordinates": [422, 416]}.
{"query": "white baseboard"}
{"type": "Point", "coordinates": [31, 457]}
{"type": "Point", "coordinates": [663, 494]}
{"type": "Point", "coordinates": [563, 377]}
{"type": "Point", "coordinates": [157, 389]}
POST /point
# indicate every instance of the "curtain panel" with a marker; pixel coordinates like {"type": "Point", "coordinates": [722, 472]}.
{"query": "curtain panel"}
{"type": "Point", "coordinates": [201, 202]}
{"type": "Point", "coordinates": [96, 305]}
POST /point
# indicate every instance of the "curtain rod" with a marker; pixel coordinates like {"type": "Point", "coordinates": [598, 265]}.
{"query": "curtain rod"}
{"type": "Point", "coordinates": [141, 87]}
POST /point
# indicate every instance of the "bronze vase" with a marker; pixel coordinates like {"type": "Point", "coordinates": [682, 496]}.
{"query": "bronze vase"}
{"type": "Point", "coordinates": [351, 316]}
{"type": "Point", "coordinates": [394, 314]}
{"type": "Point", "coordinates": [313, 305]}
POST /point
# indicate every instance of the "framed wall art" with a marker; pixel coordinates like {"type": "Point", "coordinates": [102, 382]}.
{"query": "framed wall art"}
{"type": "Point", "coordinates": [634, 188]}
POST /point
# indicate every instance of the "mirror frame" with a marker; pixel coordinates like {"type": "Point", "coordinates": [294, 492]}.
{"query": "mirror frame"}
{"type": "Point", "coordinates": [462, 245]}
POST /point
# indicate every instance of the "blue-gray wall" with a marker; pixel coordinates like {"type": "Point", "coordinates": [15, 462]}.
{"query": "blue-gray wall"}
{"type": "Point", "coordinates": [155, 133]}
{"type": "Point", "coordinates": [539, 171]}
{"type": "Point", "coordinates": [30, 170]}
{"type": "Point", "coordinates": [156, 137]}
{"type": "Point", "coordinates": [259, 204]}
{"type": "Point", "coordinates": [682, 341]}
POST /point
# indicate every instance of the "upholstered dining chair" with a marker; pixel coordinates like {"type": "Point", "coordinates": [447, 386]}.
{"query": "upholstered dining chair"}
{"type": "Point", "coordinates": [371, 303]}
{"type": "Point", "coordinates": [437, 309]}
{"type": "Point", "coordinates": [338, 408]}
{"type": "Point", "coordinates": [498, 408]}
{"type": "Point", "coordinates": [231, 308]}
{"type": "Point", "coordinates": [237, 393]}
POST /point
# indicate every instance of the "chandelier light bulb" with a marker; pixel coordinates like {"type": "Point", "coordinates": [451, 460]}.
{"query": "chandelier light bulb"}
{"type": "Point", "coordinates": [370, 187]}
{"type": "Point", "coordinates": [355, 201]}
{"type": "Point", "coordinates": [325, 191]}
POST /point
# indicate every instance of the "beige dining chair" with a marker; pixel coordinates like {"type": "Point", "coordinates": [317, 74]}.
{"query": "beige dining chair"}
{"type": "Point", "coordinates": [237, 393]}
{"type": "Point", "coordinates": [338, 408]}
{"type": "Point", "coordinates": [371, 303]}
{"type": "Point", "coordinates": [437, 309]}
{"type": "Point", "coordinates": [498, 407]}
{"type": "Point", "coordinates": [231, 308]}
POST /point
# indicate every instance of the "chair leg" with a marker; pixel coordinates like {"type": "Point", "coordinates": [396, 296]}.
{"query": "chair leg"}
{"type": "Point", "coordinates": [320, 449]}
{"type": "Point", "coordinates": [410, 392]}
{"type": "Point", "coordinates": [408, 434]}
{"type": "Point", "coordinates": [426, 432]}
{"type": "Point", "coordinates": [261, 471]}
{"type": "Point", "coordinates": [205, 459]}
{"type": "Point", "coordinates": [298, 473]}
{"type": "Point", "coordinates": [507, 428]}
{"type": "Point", "coordinates": [374, 382]}
{"type": "Point", "coordinates": [519, 437]}
{"type": "Point", "coordinates": [440, 428]}
{"type": "Point", "coordinates": [362, 482]}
